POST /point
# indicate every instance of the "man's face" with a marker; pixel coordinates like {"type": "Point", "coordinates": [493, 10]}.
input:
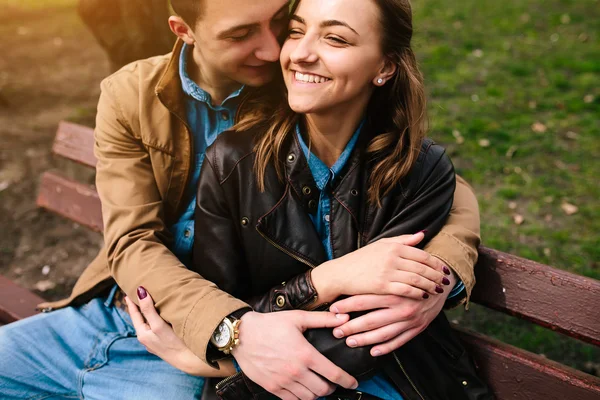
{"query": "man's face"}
{"type": "Point", "coordinates": [238, 40]}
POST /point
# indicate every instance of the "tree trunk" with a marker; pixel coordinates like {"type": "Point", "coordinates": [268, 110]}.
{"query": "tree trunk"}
{"type": "Point", "coordinates": [129, 30]}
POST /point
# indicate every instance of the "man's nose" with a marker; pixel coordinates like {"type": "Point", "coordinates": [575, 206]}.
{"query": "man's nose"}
{"type": "Point", "coordinates": [269, 49]}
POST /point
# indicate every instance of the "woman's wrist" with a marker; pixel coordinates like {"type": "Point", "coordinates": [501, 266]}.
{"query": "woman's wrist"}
{"type": "Point", "coordinates": [326, 281]}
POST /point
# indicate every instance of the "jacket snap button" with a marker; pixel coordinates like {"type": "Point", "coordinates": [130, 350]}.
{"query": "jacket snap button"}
{"type": "Point", "coordinates": [291, 157]}
{"type": "Point", "coordinates": [354, 192]}
{"type": "Point", "coordinates": [312, 204]}
{"type": "Point", "coordinates": [280, 301]}
{"type": "Point", "coordinates": [245, 221]}
{"type": "Point", "coordinates": [464, 383]}
{"type": "Point", "coordinates": [306, 190]}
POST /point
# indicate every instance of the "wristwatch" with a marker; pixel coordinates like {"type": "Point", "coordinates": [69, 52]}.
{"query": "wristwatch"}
{"type": "Point", "coordinates": [226, 337]}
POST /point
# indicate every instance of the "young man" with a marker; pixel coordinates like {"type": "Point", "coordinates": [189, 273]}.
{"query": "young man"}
{"type": "Point", "coordinates": [155, 119]}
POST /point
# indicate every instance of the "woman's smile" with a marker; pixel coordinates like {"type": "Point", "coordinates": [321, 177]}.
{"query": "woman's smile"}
{"type": "Point", "coordinates": [304, 78]}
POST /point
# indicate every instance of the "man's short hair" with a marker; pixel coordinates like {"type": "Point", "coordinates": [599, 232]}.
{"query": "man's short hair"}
{"type": "Point", "coordinates": [189, 10]}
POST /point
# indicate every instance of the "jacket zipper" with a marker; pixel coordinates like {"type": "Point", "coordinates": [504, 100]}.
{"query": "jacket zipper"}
{"type": "Point", "coordinates": [408, 377]}
{"type": "Point", "coordinates": [278, 247]}
{"type": "Point", "coordinates": [226, 380]}
{"type": "Point", "coordinates": [295, 257]}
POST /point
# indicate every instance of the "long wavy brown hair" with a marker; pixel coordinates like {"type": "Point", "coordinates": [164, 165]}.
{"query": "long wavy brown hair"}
{"type": "Point", "coordinates": [396, 110]}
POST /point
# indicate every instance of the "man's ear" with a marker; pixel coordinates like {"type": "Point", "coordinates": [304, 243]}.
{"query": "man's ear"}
{"type": "Point", "coordinates": [386, 72]}
{"type": "Point", "coordinates": [181, 29]}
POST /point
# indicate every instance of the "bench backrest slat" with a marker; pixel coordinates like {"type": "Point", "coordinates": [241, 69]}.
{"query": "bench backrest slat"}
{"type": "Point", "coordinates": [75, 142]}
{"type": "Point", "coordinates": [513, 373]}
{"type": "Point", "coordinates": [71, 199]}
{"type": "Point", "coordinates": [547, 296]}
{"type": "Point", "coordinates": [16, 302]}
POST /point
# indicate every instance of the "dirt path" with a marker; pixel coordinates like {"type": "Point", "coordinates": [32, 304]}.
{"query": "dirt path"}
{"type": "Point", "coordinates": [50, 70]}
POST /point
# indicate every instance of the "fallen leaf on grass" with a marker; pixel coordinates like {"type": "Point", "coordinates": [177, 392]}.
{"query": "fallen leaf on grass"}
{"type": "Point", "coordinates": [588, 98]}
{"type": "Point", "coordinates": [512, 205]}
{"type": "Point", "coordinates": [547, 252]}
{"type": "Point", "coordinates": [511, 151]}
{"type": "Point", "coordinates": [538, 127]}
{"type": "Point", "coordinates": [43, 286]}
{"type": "Point", "coordinates": [484, 143]}
{"type": "Point", "coordinates": [518, 218]}
{"type": "Point", "coordinates": [569, 209]}
{"type": "Point", "coordinates": [572, 135]}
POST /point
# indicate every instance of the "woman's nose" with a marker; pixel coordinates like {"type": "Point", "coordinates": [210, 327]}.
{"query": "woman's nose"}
{"type": "Point", "coordinates": [304, 52]}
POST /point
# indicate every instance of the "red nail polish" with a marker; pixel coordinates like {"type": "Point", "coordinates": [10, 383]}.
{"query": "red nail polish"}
{"type": "Point", "coordinates": [446, 270]}
{"type": "Point", "coordinates": [141, 292]}
{"type": "Point", "coordinates": [446, 281]}
{"type": "Point", "coordinates": [439, 289]}
{"type": "Point", "coordinates": [425, 295]}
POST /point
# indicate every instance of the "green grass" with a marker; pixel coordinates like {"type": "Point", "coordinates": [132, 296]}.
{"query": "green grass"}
{"type": "Point", "coordinates": [493, 70]}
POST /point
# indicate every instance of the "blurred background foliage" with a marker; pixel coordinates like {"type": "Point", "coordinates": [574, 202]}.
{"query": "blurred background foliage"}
{"type": "Point", "coordinates": [514, 95]}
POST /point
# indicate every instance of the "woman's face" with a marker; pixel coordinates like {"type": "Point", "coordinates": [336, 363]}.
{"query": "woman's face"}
{"type": "Point", "coordinates": [332, 57]}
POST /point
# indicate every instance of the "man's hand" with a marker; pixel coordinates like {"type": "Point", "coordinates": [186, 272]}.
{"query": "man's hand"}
{"type": "Point", "coordinates": [275, 355]}
{"type": "Point", "coordinates": [395, 322]}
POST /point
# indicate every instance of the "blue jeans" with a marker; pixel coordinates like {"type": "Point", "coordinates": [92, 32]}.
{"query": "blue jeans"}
{"type": "Point", "coordinates": [88, 352]}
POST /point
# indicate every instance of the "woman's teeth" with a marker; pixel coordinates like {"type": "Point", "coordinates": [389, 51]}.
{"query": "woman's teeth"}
{"type": "Point", "coordinates": [308, 78]}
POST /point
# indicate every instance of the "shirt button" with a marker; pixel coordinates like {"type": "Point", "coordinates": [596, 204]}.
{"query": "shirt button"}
{"type": "Point", "coordinates": [225, 115]}
{"type": "Point", "coordinates": [326, 217]}
{"type": "Point", "coordinates": [187, 233]}
{"type": "Point", "coordinates": [312, 204]}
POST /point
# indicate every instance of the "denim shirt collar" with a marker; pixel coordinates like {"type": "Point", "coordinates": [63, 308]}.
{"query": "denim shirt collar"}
{"type": "Point", "coordinates": [322, 174]}
{"type": "Point", "coordinates": [191, 88]}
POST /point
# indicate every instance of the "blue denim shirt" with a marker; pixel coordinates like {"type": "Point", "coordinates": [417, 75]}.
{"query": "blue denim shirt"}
{"type": "Point", "coordinates": [323, 176]}
{"type": "Point", "coordinates": [206, 121]}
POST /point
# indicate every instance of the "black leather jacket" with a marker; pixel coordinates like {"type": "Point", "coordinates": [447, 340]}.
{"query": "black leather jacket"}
{"type": "Point", "coordinates": [260, 247]}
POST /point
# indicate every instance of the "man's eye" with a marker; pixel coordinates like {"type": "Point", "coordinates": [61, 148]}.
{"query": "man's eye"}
{"type": "Point", "coordinates": [239, 38]}
{"type": "Point", "coordinates": [294, 33]}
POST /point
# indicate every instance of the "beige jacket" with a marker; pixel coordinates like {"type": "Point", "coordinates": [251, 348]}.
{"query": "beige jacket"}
{"type": "Point", "coordinates": [144, 151]}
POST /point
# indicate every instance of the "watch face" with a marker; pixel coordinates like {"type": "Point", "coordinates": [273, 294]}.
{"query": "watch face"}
{"type": "Point", "coordinates": [222, 335]}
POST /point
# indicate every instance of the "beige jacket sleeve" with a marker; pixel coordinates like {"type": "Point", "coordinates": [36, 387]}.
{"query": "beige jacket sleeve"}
{"type": "Point", "coordinates": [456, 244]}
{"type": "Point", "coordinates": [135, 233]}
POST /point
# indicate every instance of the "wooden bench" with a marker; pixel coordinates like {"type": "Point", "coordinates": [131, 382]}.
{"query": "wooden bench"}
{"type": "Point", "coordinates": [546, 296]}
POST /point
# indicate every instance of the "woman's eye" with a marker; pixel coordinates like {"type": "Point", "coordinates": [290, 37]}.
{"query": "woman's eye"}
{"type": "Point", "coordinates": [336, 40]}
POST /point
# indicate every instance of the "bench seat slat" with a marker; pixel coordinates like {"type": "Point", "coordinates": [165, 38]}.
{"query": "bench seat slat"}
{"type": "Point", "coordinates": [75, 142]}
{"type": "Point", "coordinates": [547, 296]}
{"type": "Point", "coordinates": [16, 302]}
{"type": "Point", "coordinates": [513, 373]}
{"type": "Point", "coordinates": [71, 199]}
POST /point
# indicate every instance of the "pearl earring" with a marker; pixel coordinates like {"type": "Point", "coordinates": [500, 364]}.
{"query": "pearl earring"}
{"type": "Point", "coordinates": [380, 81]}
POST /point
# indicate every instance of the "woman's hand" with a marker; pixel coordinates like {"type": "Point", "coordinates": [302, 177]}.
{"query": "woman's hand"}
{"type": "Point", "coordinates": [389, 266]}
{"type": "Point", "coordinates": [159, 339]}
